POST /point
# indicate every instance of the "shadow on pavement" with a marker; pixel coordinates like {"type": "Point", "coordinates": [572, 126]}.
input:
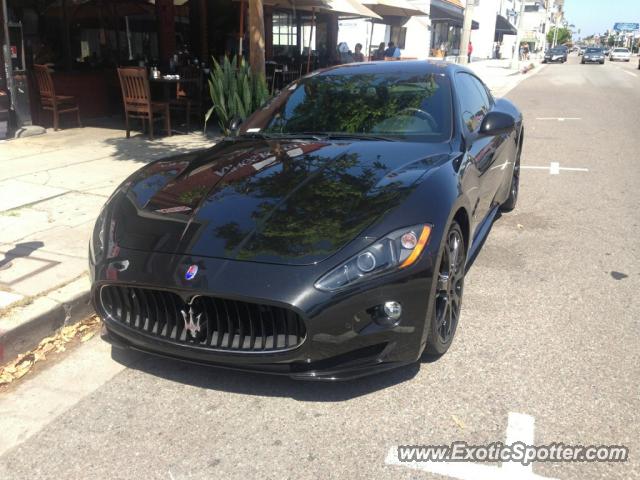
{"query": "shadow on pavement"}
{"type": "Point", "coordinates": [260, 384]}
{"type": "Point", "coordinates": [141, 148]}
{"type": "Point", "coordinates": [20, 250]}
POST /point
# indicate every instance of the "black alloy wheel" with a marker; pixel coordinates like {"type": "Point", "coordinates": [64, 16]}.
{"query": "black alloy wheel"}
{"type": "Point", "coordinates": [512, 199]}
{"type": "Point", "coordinates": [448, 294]}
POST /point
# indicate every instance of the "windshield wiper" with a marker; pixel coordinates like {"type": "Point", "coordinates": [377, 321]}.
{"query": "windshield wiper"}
{"type": "Point", "coordinates": [318, 136]}
{"type": "Point", "coordinates": [284, 136]}
{"type": "Point", "coordinates": [359, 136]}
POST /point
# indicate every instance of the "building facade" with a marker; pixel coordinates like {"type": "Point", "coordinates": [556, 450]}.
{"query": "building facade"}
{"type": "Point", "coordinates": [497, 30]}
{"type": "Point", "coordinates": [538, 19]}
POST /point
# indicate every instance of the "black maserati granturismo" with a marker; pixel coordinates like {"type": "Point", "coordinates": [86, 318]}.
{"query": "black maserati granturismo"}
{"type": "Point", "coordinates": [327, 238]}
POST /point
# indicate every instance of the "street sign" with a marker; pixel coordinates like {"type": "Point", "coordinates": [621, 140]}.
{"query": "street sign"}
{"type": "Point", "coordinates": [626, 27]}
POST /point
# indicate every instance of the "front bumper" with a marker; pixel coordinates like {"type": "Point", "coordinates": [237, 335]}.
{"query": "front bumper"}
{"type": "Point", "coordinates": [343, 340]}
{"type": "Point", "coordinates": [593, 59]}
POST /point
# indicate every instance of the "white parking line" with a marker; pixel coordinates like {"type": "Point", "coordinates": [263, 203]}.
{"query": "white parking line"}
{"type": "Point", "coordinates": [520, 428]}
{"type": "Point", "coordinates": [554, 168]}
{"type": "Point", "coordinates": [559, 119]}
{"type": "Point", "coordinates": [629, 73]}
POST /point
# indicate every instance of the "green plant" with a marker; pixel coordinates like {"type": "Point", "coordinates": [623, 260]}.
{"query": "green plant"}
{"type": "Point", "coordinates": [564, 35]}
{"type": "Point", "coordinates": [235, 92]}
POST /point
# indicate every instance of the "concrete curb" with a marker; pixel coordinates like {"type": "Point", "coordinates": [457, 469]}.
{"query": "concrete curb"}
{"type": "Point", "coordinates": [24, 327]}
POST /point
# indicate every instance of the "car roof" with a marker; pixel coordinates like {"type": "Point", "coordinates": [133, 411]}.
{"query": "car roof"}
{"type": "Point", "coordinates": [421, 67]}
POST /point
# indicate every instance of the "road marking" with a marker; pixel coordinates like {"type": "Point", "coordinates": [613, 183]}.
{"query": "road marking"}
{"type": "Point", "coordinates": [554, 168]}
{"type": "Point", "coordinates": [559, 119]}
{"type": "Point", "coordinates": [629, 73]}
{"type": "Point", "coordinates": [520, 428]}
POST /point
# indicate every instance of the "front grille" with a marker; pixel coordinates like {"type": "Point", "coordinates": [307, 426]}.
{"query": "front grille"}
{"type": "Point", "coordinates": [215, 323]}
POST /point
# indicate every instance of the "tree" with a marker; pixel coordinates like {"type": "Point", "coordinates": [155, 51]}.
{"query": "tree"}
{"type": "Point", "coordinates": [564, 35]}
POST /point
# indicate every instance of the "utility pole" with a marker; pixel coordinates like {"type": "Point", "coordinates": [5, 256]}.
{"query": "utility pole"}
{"type": "Point", "coordinates": [547, 23]}
{"type": "Point", "coordinates": [466, 32]}
{"type": "Point", "coordinates": [515, 60]}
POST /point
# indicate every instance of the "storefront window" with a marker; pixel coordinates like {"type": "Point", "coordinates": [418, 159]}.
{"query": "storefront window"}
{"type": "Point", "coordinates": [285, 31]}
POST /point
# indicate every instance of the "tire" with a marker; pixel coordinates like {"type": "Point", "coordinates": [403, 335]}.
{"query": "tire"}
{"type": "Point", "coordinates": [602, 62]}
{"type": "Point", "coordinates": [511, 201]}
{"type": "Point", "coordinates": [447, 298]}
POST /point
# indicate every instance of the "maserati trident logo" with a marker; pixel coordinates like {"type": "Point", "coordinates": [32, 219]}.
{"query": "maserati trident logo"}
{"type": "Point", "coordinates": [191, 321]}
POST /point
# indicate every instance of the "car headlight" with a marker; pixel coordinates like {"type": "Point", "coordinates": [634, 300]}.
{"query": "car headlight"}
{"type": "Point", "coordinates": [97, 243]}
{"type": "Point", "coordinates": [396, 250]}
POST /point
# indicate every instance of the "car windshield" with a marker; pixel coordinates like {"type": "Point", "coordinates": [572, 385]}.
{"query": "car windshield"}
{"type": "Point", "coordinates": [621, 50]}
{"type": "Point", "coordinates": [594, 50]}
{"type": "Point", "coordinates": [396, 106]}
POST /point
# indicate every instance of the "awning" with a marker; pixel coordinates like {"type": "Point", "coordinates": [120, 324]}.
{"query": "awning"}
{"type": "Point", "coordinates": [449, 11]}
{"type": "Point", "coordinates": [394, 8]}
{"type": "Point", "coordinates": [504, 26]}
{"type": "Point", "coordinates": [350, 8]}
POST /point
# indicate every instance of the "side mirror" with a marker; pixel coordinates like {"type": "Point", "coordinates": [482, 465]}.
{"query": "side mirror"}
{"type": "Point", "coordinates": [234, 127]}
{"type": "Point", "coordinates": [496, 123]}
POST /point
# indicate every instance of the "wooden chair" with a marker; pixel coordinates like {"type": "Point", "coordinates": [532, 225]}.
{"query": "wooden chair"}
{"type": "Point", "coordinates": [189, 93]}
{"type": "Point", "coordinates": [136, 97]}
{"type": "Point", "coordinates": [57, 104]}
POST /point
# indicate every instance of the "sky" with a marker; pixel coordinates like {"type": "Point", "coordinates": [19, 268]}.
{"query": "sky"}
{"type": "Point", "coordinates": [596, 16]}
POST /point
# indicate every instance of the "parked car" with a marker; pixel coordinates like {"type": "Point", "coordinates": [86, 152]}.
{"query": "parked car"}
{"type": "Point", "coordinates": [607, 51]}
{"type": "Point", "coordinates": [593, 55]}
{"type": "Point", "coordinates": [556, 54]}
{"type": "Point", "coordinates": [322, 242]}
{"type": "Point", "coordinates": [622, 54]}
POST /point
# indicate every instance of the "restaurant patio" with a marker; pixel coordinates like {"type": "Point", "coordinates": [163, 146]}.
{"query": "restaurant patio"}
{"type": "Point", "coordinates": [88, 45]}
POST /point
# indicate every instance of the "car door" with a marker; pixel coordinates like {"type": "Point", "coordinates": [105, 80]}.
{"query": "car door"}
{"type": "Point", "coordinates": [475, 103]}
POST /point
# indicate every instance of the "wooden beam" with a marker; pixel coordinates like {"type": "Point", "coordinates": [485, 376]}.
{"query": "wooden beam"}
{"type": "Point", "coordinates": [66, 36]}
{"type": "Point", "coordinates": [165, 17]}
{"type": "Point", "coordinates": [256, 37]}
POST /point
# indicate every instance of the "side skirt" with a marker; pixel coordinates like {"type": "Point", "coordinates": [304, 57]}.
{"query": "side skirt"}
{"type": "Point", "coordinates": [481, 235]}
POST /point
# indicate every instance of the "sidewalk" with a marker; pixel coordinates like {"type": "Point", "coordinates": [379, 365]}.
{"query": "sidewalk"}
{"type": "Point", "coordinates": [499, 76]}
{"type": "Point", "coordinates": [52, 187]}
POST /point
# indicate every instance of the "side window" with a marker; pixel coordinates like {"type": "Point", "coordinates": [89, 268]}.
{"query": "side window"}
{"type": "Point", "coordinates": [474, 100]}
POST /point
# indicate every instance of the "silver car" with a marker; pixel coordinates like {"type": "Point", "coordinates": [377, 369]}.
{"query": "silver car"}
{"type": "Point", "coordinates": [620, 54]}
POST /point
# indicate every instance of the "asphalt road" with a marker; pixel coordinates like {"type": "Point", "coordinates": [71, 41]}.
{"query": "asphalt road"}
{"type": "Point", "coordinates": [550, 329]}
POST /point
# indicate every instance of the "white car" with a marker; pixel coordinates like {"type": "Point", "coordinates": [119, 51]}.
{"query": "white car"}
{"type": "Point", "coordinates": [620, 54]}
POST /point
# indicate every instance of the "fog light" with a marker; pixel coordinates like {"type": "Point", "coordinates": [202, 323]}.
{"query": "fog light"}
{"type": "Point", "coordinates": [392, 310]}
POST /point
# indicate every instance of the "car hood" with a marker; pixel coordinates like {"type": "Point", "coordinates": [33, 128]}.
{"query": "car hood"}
{"type": "Point", "coordinates": [285, 202]}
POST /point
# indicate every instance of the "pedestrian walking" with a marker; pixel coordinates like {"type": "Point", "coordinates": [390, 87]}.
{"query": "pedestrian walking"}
{"type": "Point", "coordinates": [469, 51]}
